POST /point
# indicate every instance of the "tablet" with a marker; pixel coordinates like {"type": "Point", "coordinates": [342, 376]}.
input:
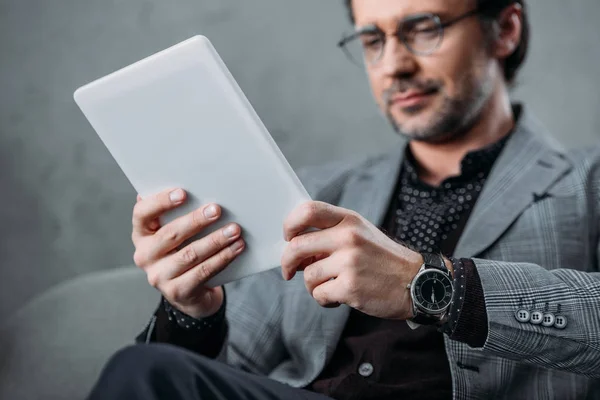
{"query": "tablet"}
{"type": "Point", "coordinates": [179, 119]}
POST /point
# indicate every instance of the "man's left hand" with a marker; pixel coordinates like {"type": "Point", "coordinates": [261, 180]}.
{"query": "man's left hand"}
{"type": "Point", "coordinates": [348, 260]}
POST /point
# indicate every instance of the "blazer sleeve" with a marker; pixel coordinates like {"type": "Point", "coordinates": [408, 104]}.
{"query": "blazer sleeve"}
{"type": "Point", "coordinates": [571, 345]}
{"type": "Point", "coordinates": [571, 294]}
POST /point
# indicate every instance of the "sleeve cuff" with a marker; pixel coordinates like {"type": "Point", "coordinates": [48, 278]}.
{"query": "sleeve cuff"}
{"type": "Point", "coordinates": [189, 323]}
{"type": "Point", "coordinates": [468, 322]}
{"type": "Point", "coordinates": [205, 336]}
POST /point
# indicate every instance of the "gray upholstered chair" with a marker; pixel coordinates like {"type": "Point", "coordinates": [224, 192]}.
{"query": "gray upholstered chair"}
{"type": "Point", "coordinates": [56, 345]}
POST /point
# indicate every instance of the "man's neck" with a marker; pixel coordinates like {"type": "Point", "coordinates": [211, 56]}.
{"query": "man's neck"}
{"type": "Point", "coordinates": [439, 161]}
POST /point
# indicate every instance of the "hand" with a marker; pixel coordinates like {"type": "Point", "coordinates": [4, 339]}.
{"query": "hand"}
{"type": "Point", "coordinates": [180, 273]}
{"type": "Point", "coordinates": [349, 261]}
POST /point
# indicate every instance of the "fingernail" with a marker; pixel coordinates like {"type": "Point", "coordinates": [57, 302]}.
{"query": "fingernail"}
{"type": "Point", "coordinates": [237, 246]}
{"type": "Point", "coordinates": [210, 211]}
{"type": "Point", "coordinates": [176, 195]}
{"type": "Point", "coordinates": [230, 231]}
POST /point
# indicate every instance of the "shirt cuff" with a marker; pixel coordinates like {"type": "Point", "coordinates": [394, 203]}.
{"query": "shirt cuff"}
{"type": "Point", "coordinates": [467, 317]}
{"type": "Point", "coordinates": [189, 323]}
{"type": "Point", "coordinates": [204, 336]}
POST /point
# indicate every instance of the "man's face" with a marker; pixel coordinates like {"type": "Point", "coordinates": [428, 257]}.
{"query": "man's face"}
{"type": "Point", "coordinates": [434, 97]}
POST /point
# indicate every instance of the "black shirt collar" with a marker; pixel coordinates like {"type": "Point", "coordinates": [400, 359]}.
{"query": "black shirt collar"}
{"type": "Point", "coordinates": [476, 164]}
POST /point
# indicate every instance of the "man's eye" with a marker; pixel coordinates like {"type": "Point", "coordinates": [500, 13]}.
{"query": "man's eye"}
{"type": "Point", "coordinates": [371, 42]}
{"type": "Point", "coordinates": [426, 29]}
{"type": "Point", "coordinates": [423, 28]}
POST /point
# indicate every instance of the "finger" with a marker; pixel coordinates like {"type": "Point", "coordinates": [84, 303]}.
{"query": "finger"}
{"type": "Point", "coordinates": [173, 234]}
{"type": "Point", "coordinates": [320, 272]}
{"type": "Point", "coordinates": [196, 277]}
{"type": "Point", "coordinates": [154, 225]}
{"type": "Point", "coordinates": [330, 293]}
{"type": "Point", "coordinates": [313, 214]}
{"type": "Point", "coordinates": [196, 253]}
{"type": "Point", "coordinates": [148, 210]}
{"type": "Point", "coordinates": [305, 247]}
{"type": "Point", "coordinates": [311, 260]}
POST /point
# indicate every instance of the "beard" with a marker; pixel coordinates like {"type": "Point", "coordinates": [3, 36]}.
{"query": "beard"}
{"type": "Point", "coordinates": [454, 117]}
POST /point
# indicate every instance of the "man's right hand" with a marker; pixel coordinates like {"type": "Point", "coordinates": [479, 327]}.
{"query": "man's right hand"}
{"type": "Point", "coordinates": [178, 273]}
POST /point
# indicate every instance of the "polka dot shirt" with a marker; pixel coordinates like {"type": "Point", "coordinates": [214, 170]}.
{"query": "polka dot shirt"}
{"type": "Point", "coordinates": [431, 219]}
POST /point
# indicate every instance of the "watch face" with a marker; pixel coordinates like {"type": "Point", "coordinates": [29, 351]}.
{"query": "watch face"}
{"type": "Point", "coordinates": [432, 291]}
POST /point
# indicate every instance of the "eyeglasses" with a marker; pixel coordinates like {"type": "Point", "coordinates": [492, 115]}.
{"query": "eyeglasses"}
{"type": "Point", "coordinates": [421, 34]}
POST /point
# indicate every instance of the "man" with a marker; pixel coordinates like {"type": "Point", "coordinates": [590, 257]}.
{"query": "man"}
{"type": "Point", "coordinates": [510, 311]}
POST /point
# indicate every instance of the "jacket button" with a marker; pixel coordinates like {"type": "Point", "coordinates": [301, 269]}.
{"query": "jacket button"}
{"type": "Point", "coordinates": [537, 317]}
{"type": "Point", "coordinates": [560, 322]}
{"type": "Point", "coordinates": [548, 320]}
{"type": "Point", "coordinates": [365, 369]}
{"type": "Point", "coordinates": [523, 316]}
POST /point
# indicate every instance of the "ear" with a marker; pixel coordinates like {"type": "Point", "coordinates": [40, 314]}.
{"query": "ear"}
{"type": "Point", "coordinates": [508, 28]}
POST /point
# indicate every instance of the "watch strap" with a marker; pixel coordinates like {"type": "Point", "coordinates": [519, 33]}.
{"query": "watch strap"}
{"type": "Point", "coordinates": [431, 260]}
{"type": "Point", "coordinates": [425, 319]}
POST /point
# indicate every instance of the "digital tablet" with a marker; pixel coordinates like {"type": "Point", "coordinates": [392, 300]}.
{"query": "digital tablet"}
{"type": "Point", "coordinates": [179, 119]}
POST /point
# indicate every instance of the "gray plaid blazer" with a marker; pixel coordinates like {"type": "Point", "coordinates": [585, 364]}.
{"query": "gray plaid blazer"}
{"type": "Point", "coordinates": [534, 236]}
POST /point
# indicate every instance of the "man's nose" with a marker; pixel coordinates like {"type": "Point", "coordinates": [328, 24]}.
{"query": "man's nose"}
{"type": "Point", "coordinates": [397, 59]}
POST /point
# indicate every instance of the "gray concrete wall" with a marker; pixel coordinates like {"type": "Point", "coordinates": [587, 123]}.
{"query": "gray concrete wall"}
{"type": "Point", "coordinates": [65, 207]}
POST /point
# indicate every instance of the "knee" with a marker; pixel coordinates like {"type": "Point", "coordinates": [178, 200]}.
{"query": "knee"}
{"type": "Point", "coordinates": [137, 371]}
{"type": "Point", "coordinates": [134, 370]}
{"type": "Point", "coordinates": [138, 366]}
{"type": "Point", "coordinates": [143, 361]}
{"type": "Point", "coordinates": [154, 368]}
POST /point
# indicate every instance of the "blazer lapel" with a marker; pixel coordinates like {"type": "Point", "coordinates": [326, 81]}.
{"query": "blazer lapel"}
{"type": "Point", "coordinates": [527, 167]}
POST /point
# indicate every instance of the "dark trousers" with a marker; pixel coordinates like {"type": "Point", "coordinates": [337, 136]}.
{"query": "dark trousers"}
{"type": "Point", "coordinates": [157, 371]}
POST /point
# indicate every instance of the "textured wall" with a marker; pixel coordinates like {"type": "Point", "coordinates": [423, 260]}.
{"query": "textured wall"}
{"type": "Point", "coordinates": [65, 206]}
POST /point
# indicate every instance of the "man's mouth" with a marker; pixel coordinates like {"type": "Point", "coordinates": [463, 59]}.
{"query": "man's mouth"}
{"type": "Point", "coordinates": [411, 98]}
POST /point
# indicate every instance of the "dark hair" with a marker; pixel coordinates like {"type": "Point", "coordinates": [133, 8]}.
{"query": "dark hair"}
{"type": "Point", "coordinates": [490, 10]}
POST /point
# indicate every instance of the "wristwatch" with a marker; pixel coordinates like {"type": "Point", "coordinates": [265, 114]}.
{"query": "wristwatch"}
{"type": "Point", "coordinates": [431, 292]}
